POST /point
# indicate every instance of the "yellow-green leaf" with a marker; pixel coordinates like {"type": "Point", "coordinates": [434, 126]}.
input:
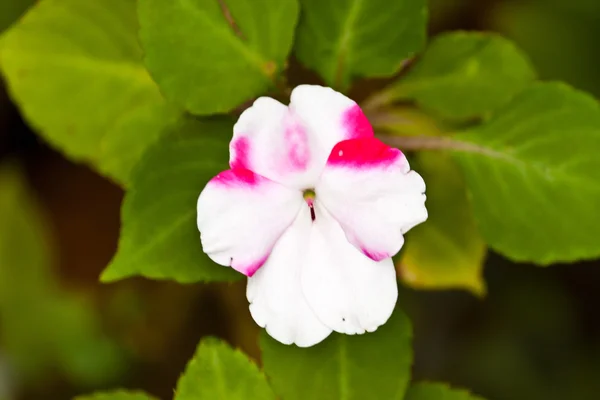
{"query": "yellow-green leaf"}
{"type": "Point", "coordinates": [446, 251]}
{"type": "Point", "coordinates": [75, 70]}
{"type": "Point", "coordinates": [218, 372]}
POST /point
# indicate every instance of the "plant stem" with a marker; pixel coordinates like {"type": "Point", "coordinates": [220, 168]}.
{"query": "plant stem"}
{"type": "Point", "coordinates": [413, 143]}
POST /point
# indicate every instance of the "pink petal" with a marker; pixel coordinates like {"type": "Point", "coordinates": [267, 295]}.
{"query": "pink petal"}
{"type": "Point", "coordinates": [269, 140]}
{"type": "Point", "coordinates": [291, 144]}
{"type": "Point", "coordinates": [369, 189]}
{"type": "Point", "coordinates": [241, 215]}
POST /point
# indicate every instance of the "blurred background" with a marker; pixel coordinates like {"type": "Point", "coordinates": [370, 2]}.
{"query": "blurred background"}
{"type": "Point", "coordinates": [535, 336]}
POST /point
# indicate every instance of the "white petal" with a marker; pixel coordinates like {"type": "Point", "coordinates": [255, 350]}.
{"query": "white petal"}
{"type": "Point", "coordinates": [368, 188]}
{"type": "Point", "coordinates": [240, 217]}
{"type": "Point", "coordinates": [275, 294]}
{"type": "Point", "coordinates": [349, 292]}
{"type": "Point", "coordinates": [291, 144]}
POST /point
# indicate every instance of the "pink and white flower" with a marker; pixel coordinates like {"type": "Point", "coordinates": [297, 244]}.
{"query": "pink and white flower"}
{"type": "Point", "coordinates": [312, 210]}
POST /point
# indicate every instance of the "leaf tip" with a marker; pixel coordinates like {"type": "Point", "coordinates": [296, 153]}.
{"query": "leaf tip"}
{"type": "Point", "coordinates": [112, 274]}
{"type": "Point", "coordinates": [478, 288]}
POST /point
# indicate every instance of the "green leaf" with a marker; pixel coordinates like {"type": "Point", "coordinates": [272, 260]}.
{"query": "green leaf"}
{"type": "Point", "coordinates": [218, 372]}
{"type": "Point", "coordinates": [74, 68]}
{"type": "Point", "coordinates": [359, 38]}
{"type": "Point", "coordinates": [117, 395]}
{"type": "Point", "coordinates": [437, 391]}
{"type": "Point", "coordinates": [159, 237]}
{"type": "Point", "coordinates": [212, 55]}
{"type": "Point", "coordinates": [72, 343]}
{"type": "Point", "coordinates": [11, 10]}
{"type": "Point", "coordinates": [447, 250]}
{"type": "Point", "coordinates": [370, 366]}
{"type": "Point", "coordinates": [464, 74]}
{"type": "Point", "coordinates": [534, 175]}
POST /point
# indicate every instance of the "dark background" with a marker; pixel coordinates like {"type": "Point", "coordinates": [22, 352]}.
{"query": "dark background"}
{"type": "Point", "coordinates": [535, 336]}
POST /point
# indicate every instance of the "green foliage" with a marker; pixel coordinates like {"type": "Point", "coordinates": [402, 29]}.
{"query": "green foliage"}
{"type": "Point", "coordinates": [533, 174]}
{"type": "Point", "coordinates": [30, 298]}
{"type": "Point", "coordinates": [464, 75]}
{"type": "Point", "coordinates": [450, 229]}
{"type": "Point", "coordinates": [532, 24]}
{"type": "Point", "coordinates": [526, 180]}
{"type": "Point", "coordinates": [217, 372]}
{"type": "Point", "coordinates": [117, 395]}
{"type": "Point", "coordinates": [211, 56]}
{"type": "Point", "coordinates": [74, 68]}
{"type": "Point", "coordinates": [159, 238]}
{"type": "Point", "coordinates": [359, 38]}
{"type": "Point", "coordinates": [10, 10]}
{"type": "Point", "coordinates": [437, 391]}
{"type": "Point", "coordinates": [370, 366]}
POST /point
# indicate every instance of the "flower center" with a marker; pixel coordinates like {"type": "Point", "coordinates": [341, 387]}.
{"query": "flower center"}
{"type": "Point", "coordinates": [309, 197]}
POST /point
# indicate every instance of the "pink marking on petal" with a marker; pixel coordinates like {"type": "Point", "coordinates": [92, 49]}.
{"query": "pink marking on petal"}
{"type": "Point", "coordinates": [356, 123]}
{"type": "Point", "coordinates": [240, 148]}
{"type": "Point", "coordinates": [237, 177]}
{"type": "Point", "coordinates": [296, 141]}
{"type": "Point", "coordinates": [364, 153]}
{"type": "Point", "coordinates": [374, 255]}
{"type": "Point", "coordinates": [251, 268]}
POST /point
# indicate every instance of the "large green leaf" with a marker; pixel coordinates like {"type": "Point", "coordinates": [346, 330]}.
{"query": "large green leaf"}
{"type": "Point", "coordinates": [72, 342]}
{"type": "Point", "coordinates": [159, 237]}
{"type": "Point", "coordinates": [346, 39]}
{"type": "Point", "coordinates": [437, 391]}
{"type": "Point", "coordinates": [74, 68]}
{"type": "Point", "coordinates": [534, 175]}
{"type": "Point", "coordinates": [218, 372]}
{"type": "Point", "coordinates": [464, 74]}
{"type": "Point", "coordinates": [212, 55]}
{"type": "Point", "coordinates": [370, 366]}
{"type": "Point", "coordinates": [447, 250]}
{"type": "Point", "coordinates": [117, 395]}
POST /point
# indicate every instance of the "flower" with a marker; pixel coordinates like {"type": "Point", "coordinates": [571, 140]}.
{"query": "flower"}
{"type": "Point", "coordinates": [312, 210]}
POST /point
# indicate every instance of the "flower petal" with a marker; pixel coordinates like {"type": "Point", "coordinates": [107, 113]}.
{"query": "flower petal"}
{"type": "Point", "coordinates": [275, 295]}
{"type": "Point", "coordinates": [369, 189]}
{"type": "Point", "coordinates": [240, 217]}
{"type": "Point", "coordinates": [329, 116]}
{"type": "Point", "coordinates": [269, 140]}
{"type": "Point", "coordinates": [291, 144]}
{"type": "Point", "coordinates": [349, 292]}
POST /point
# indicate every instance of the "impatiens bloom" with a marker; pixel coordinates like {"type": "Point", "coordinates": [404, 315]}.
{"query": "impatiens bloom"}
{"type": "Point", "coordinates": [312, 210]}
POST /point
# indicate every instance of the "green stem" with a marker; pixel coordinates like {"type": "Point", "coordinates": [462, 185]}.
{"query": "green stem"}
{"type": "Point", "coordinates": [417, 143]}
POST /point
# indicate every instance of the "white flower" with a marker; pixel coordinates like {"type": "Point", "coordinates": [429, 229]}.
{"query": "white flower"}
{"type": "Point", "coordinates": [312, 210]}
